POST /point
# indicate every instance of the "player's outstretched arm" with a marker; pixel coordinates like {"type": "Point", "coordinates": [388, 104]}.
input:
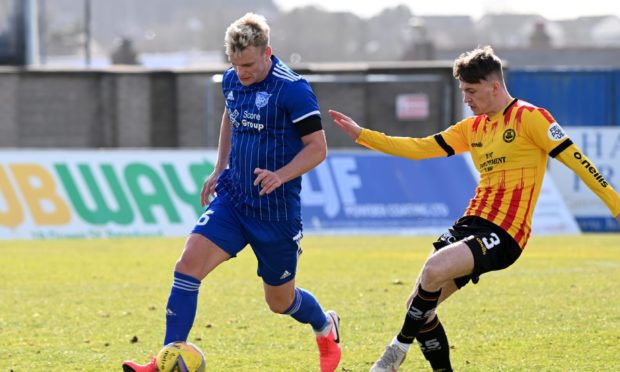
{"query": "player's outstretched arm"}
{"type": "Point", "coordinates": [348, 125]}
{"type": "Point", "coordinates": [406, 147]}
{"type": "Point", "coordinates": [591, 177]}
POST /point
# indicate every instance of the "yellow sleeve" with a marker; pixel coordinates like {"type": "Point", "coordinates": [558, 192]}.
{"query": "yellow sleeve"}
{"type": "Point", "coordinates": [446, 143]}
{"type": "Point", "coordinates": [543, 130]}
{"type": "Point", "coordinates": [572, 157]}
{"type": "Point", "coordinates": [549, 135]}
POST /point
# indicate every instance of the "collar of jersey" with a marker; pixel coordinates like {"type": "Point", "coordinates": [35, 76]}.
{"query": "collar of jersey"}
{"type": "Point", "coordinates": [503, 111]}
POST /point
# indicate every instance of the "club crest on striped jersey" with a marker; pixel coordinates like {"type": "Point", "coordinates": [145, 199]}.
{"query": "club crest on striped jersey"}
{"type": "Point", "coordinates": [262, 98]}
{"type": "Point", "coordinates": [509, 135]}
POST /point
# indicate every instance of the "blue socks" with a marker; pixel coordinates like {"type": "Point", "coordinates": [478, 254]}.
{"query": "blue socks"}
{"type": "Point", "coordinates": [181, 308]}
{"type": "Point", "coordinates": [183, 302]}
{"type": "Point", "coordinates": [306, 309]}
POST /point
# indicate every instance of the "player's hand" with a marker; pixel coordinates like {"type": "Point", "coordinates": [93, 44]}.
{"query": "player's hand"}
{"type": "Point", "coordinates": [208, 189]}
{"type": "Point", "coordinates": [348, 125]}
{"type": "Point", "coordinates": [267, 180]}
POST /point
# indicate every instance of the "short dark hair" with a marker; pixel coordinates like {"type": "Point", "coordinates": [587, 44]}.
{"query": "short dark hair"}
{"type": "Point", "coordinates": [478, 64]}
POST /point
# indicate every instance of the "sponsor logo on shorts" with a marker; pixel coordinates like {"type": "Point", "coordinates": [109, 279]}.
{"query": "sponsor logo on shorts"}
{"type": "Point", "coordinates": [482, 247]}
{"type": "Point", "coordinates": [285, 274]}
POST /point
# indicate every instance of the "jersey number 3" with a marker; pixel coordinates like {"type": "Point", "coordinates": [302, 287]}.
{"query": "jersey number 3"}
{"type": "Point", "coordinates": [491, 241]}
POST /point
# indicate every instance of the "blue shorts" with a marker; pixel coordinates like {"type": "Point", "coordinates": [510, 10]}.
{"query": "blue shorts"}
{"type": "Point", "coordinates": [276, 245]}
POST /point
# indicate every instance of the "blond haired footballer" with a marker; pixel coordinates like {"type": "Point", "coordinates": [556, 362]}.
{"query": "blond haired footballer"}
{"type": "Point", "coordinates": [271, 134]}
{"type": "Point", "coordinates": [509, 141]}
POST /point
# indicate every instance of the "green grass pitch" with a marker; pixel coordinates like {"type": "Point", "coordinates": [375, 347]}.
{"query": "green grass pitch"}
{"type": "Point", "coordinates": [87, 305]}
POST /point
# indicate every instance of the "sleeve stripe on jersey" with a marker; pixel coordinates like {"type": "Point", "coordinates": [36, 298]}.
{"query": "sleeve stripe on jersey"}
{"type": "Point", "coordinates": [447, 148]}
{"type": "Point", "coordinates": [316, 112]}
{"type": "Point", "coordinates": [561, 147]}
{"type": "Point", "coordinates": [285, 74]}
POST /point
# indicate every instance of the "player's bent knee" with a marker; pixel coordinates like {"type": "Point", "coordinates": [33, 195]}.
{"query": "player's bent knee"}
{"type": "Point", "coordinates": [185, 265]}
{"type": "Point", "coordinates": [432, 275]}
{"type": "Point", "coordinates": [278, 307]}
{"type": "Point", "coordinates": [430, 272]}
{"type": "Point", "coordinates": [280, 302]}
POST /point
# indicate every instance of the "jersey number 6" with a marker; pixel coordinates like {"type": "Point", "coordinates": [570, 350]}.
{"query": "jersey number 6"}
{"type": "Point", "coordinates": [204, 218]}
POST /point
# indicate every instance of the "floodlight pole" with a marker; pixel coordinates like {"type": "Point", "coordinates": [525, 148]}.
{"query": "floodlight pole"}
{"type": "Point", "coordinates": [87, 32]}
{"type": "Point", "coordinates": [32, 32]}
{"type": "Point", "coordinates": [43, 32]}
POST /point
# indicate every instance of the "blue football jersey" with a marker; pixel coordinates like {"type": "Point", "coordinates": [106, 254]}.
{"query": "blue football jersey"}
{"type": "Point", "coordinates": [263, 117]}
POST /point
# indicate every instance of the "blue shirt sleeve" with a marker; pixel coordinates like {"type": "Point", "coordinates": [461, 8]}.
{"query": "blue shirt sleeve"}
{"type": "Point", "coordinates": [227, 81]}
{"type": "Point", "coordinates": [300, 101]}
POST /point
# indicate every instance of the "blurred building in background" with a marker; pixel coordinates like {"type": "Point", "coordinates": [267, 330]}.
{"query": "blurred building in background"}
{"type": "Point", "coordinates": [307, 34]}
{"type": "Point", "coordinates": [12, 33]}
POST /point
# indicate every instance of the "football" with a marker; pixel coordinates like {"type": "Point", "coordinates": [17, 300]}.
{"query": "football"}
{"type": "Point", "coordinates": [181, 357]}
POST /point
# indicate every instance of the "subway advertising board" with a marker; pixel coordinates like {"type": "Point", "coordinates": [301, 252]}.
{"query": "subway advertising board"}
{"type": "Point", "coordinates": [92, 194]}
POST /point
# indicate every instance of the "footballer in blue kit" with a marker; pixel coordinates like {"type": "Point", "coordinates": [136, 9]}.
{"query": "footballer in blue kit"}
{"type": "Point", "coordinates": [268, 120]}
{"type": "Point", "coordinates": [270, 135]}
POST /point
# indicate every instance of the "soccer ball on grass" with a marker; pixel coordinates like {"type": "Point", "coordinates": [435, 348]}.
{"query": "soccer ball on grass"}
{"type": "Point", "coordinates": [181, 357]}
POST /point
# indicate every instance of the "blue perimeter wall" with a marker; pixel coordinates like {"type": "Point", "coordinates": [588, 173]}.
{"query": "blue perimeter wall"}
{"type": "Point", "coordinates": [583, 97]}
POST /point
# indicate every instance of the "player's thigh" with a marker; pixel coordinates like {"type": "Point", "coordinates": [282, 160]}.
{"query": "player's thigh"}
{"type": "Point", "coordinates": [448, 263]}
{"type": "Point", "coordinates": [277, 246]}
{"type": "Point", "coordinates": [200, 256]}
{"type": "Point", "coordinates": [217, 236]}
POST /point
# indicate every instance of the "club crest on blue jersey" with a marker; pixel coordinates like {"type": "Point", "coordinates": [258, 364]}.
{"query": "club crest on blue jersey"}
{"type": "Point", "coordinates": [262, 98]}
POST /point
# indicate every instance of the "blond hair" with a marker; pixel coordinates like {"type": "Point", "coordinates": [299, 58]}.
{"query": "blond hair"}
{"type": "Point", "coordinates": [250, 30]}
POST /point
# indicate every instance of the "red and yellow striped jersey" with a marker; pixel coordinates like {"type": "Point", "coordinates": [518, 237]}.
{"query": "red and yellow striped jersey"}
{"type": "Point", "coordinates": [510, 150]}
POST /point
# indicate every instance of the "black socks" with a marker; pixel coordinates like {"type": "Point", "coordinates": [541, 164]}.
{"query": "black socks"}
{"type": "Point", "coordinates": [423, 305]}
{"type": "Point", "coordinates": [434, 345]}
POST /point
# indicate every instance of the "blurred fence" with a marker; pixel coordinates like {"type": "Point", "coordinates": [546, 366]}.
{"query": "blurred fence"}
{"type": "Point", "coordinates": [136, 107]}
{"type": "Point", "coordinates": [145, 108]}
{"type": "Point", "coordinates": [575, 97]}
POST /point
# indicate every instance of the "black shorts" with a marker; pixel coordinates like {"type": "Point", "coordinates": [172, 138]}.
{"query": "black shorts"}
{"type": "Point", "coordinates": [493, 248]}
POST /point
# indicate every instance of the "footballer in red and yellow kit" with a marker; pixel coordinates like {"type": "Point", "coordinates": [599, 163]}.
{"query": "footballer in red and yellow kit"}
{"type": "Point", "coordinates": [510, 150]}
{"type": "Point", "coordinates": [509, 141]}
